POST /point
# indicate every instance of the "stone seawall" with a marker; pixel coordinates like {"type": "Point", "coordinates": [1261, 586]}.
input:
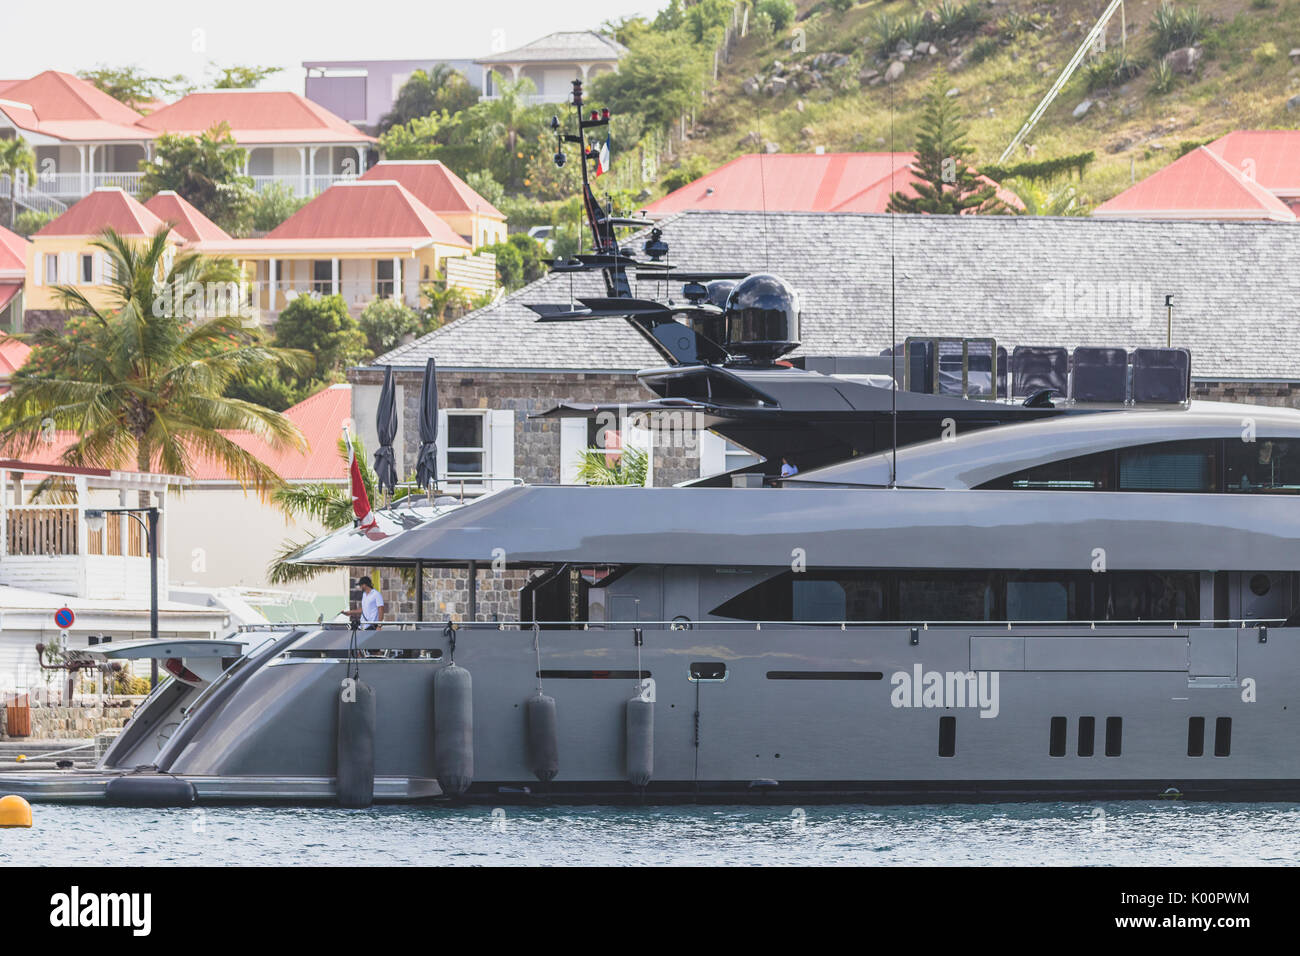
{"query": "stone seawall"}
{"type": "Point", "coordinates": [72, 723]}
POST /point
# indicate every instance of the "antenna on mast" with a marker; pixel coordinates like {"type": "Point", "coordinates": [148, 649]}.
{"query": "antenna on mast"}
{"type": "Point", "coordinates": [893, 310]}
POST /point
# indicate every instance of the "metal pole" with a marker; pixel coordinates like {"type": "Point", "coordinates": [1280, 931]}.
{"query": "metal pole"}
{"type": "Point", "coordinates": [153, 591]}
{"type": "Point", "coordinates": [473, 590]}
{"type": "Point", "coordinates": [419, 590]}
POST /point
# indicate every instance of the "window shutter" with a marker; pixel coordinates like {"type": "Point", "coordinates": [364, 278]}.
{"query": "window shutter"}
{"type": "Point", "coordinates": [501, 436]}
{"type": "Point", "coordinates": [67, 268]}
{"type": "Point", "coordinates": [105, 265]}
{"type": "Point", "coordinates": [573, 439]}
{"type": "Point", "coordinates": [713, 454]}
{"type": "Point", "coordinates": [40, 268]}
{"type": "Point", "coordinates": [442, 445]}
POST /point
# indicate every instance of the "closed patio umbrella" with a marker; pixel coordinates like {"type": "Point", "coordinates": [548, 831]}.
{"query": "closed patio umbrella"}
{"type": "Point", "coordinates": [386, 426]}
{"type": "Point", "coordinates": [426, 466]}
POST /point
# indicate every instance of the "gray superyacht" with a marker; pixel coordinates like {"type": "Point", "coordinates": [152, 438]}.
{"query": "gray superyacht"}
{"type": "Point", "coordinates": [1042, 575]}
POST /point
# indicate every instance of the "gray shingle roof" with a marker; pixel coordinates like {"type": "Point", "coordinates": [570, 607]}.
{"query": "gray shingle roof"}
{"type": "Point", "coordinates": [566, 46]}
{"type": "Point", "coordinates": [1020, 279]}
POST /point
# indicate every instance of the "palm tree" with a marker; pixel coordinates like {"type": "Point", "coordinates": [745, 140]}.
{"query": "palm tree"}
{"type": "Point", "coordinates": [1062, 200]}
{"type": "Point", "coordinates": [16, 155]}
{"type": "Point", "coordinates": [506, 119]}
{"type": "Point", "coordinates": [596, 466]}
{"type": "Point", "coordinates": [142, 382]}
{"type": "Point", "coordinates": [330, 506]}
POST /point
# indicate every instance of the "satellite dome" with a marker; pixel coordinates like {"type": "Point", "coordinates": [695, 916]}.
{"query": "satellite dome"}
{"type": "Point", "coordinates": [714, 327]}
{"type": "Point", "coordinates": [762, 319]}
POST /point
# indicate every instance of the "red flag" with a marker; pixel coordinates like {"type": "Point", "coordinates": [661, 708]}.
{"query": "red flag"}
{"type": "Point", "coordinates": [360, 500]}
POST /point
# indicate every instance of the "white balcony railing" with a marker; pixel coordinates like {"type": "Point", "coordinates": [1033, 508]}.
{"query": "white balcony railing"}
{"type": "Point", "coordinates": [273, 297]}
{"type": "Point", "coordinates": [302, 186]}
{"type": "Point", "coordinates": [65, 186]}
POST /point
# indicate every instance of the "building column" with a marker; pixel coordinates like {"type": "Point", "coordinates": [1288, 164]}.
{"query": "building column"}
{"type": "Point", "coordinates": [160, 500]}
{"type": "Point", "coordinates": [4, 512]}
{"type": "Point", "coordinates": [302, 159]}
{"type": "Point", "coordinates": [85, 177]}
{"type": "Point", "coordinates": [399, 294]}
{"type": "Point", "coordinates": [361, 160]}
{"type": "Point", "coordinates": [271, 299]}
{"type": "Point", "coordinates": [311, 170]}
{"type": "Point", "coordinates": [83, 499]}
{"type": "Point", "coordinates": [334, 276]}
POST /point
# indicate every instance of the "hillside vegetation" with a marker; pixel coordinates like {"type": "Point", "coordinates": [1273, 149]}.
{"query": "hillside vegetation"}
{"type": "Point", "coordinates": [1001, 58]}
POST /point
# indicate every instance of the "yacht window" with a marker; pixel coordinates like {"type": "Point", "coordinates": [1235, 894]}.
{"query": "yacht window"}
{"type": "Point", "coordinates": [464, 444]}
{"type": "Point", "coordinates": [1041, 600]}
{"type": "Point", "coordinates": [818, 600]}
{"type": "Point", "coordinates": [1085, 473]}
{"type": "Point", "coordinates": [1263, 466]}
{"type": "Point", "coordinates": [877, 595]}
{"type": "Point", "coordinates": [957, 596]}
{"type": "Point", "coordinates": [1172, 466]}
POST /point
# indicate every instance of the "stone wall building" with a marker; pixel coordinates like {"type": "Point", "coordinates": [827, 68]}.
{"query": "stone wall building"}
{"type": "Point", "coordinates": [1023, 280]}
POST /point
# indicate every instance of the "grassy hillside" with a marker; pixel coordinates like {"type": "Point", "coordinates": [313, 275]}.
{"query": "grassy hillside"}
{"type": "Point", "coordinates": [1001, 71]}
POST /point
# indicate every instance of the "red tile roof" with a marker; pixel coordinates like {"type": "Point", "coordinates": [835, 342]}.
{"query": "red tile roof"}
{"type": "Point", "coordinates": [1199, 185]}
{"type": "Point", "coordinates": [186, 221]}
{"type": "Point", "coordinates": [367, 209]}
{"type": "Point", "coordinates": [13, 252]}
{"type": "Point", "coordinates": [1271, 157]}
{"type": "Point", "coordinates": [13, 354]}
{"type": "Point", "coordinates": [799, 182]}
{"type": "Point", "coordinates": [67, 107]}
{"type": "Point", "coordinates": [435, 185]}
{"type": "Point", "coordinates": [255, 117]}
{"type": "Point", "coordinates": [320, 418]}
{"type": "Point", "coordinates": [104, 207]}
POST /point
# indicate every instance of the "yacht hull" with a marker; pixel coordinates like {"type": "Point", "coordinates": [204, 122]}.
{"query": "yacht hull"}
{"type": "Point", "coordinates": [787, 714]}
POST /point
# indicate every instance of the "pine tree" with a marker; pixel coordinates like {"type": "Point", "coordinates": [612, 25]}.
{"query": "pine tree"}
{"type": "Point", "coordinates": [948, 184]}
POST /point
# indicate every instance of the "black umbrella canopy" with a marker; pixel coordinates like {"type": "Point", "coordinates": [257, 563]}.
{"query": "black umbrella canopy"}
{"type": "Point", "coordinates": [426, 467]}
{"type": "Point", "coordinates": [386, 426]}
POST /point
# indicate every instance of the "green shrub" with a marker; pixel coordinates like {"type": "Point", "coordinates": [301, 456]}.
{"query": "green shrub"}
{"type": "Point", "coordinates": [840, 6]}
{"type": "Point", "coordinates": [1265, 53]}
{"type": "Point", "coordinates": [780, 12]}
{"type": "Point", "coordinates": [273, 205]}
{"type": "Point", "coordinates": [959, 19]}
{"type": "Point", "coordinates": [386, 322]}
{"type": "Point", "coordinates": [1162, 78]}
{"type": "Point", "coordinates": [1112, 68]}
{"type": "Point", "coordinates": [1177, 27]}
{"type": "Point", "coordinates": [30, 221]}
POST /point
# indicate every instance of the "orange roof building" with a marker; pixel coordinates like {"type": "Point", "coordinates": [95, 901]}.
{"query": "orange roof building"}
{"type": "Point", "coordinates": [82, 137]}
{"type": "Point", "coordinates": [364, 239]}
{"type": "Point", "coordinates": [454, 200]}
{"type": "Point", "coordinates": [13, 276]}
{"type": "Point", "coordinates": [289, 138]}
{"type": "Point", "coordinates": [1248, 175]}
{"type": "Point", "coordinates": [61, 252]}
{"type": "Point", "coordinates": [800, 182]}
{"type": "Point", "coordinates": [190, 224]}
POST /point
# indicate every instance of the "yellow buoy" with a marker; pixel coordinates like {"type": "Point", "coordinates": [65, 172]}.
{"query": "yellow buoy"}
{"type": "Point", "coordinates": [15, 812]}
{"type": "Point", "coordinates": [20, 758]}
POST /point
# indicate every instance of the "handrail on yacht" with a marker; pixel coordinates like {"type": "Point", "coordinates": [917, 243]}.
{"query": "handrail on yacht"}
{"type": "Point", "coordinates": [679, 625]}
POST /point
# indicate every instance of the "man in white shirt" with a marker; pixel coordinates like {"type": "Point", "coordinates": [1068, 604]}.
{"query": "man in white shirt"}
{"type": "Point", "coordinates": [372, 605]}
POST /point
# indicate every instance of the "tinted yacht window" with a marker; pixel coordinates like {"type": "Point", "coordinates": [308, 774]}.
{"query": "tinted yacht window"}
{"type": "Point", "coordinates": [1171, 466]}
{"type": "Point", "coordinates": [1268, 465]}
{"type": "Point", "coordinates": [1167, 466]}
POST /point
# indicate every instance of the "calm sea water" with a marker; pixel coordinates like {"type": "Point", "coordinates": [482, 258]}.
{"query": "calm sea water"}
{"type": "Point", "coordinates": [1022, 834]}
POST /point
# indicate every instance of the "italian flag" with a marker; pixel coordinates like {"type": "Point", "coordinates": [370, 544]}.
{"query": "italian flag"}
{"type": "Point", "coordinates": [602, 158]}
{"type": "Point", "coordinates": [360, 500]}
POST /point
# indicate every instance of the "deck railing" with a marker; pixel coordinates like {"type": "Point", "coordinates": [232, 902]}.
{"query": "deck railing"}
{"type": "Point", "coordinates": [41, 529]}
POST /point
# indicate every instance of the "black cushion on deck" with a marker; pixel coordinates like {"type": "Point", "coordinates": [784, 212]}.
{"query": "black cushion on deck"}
{"type": "Point", "coordinates": [1038, 366]}
{"type": "Point", "coordinates": [1162, 376]}
{"type": "Point", "coordinates": [1100, 375]}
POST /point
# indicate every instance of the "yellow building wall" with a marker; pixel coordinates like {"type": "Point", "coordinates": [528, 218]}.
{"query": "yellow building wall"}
{"type": "Point", "coordinates": [482, 230]}
{"type": "Point", "coordinates": [68, 252]}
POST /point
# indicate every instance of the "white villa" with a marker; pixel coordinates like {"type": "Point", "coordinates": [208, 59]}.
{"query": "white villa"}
{"type": "Point", "coordinates": [84, 139]}
{"type": "Point", "coordinates": [553, 63]}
